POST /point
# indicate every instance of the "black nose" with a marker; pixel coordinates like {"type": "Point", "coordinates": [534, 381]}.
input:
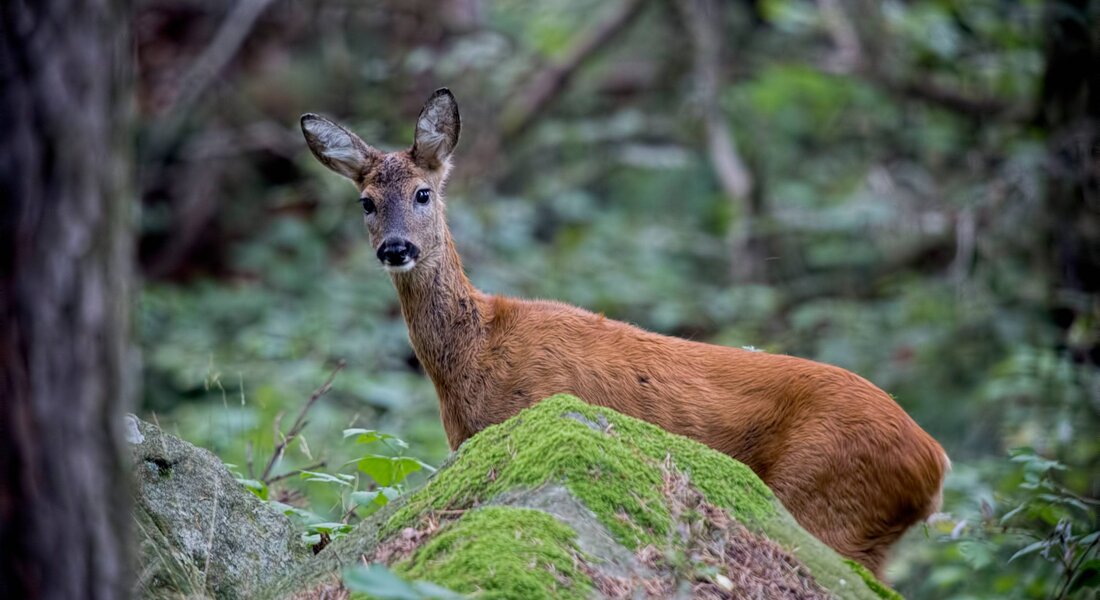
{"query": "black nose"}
{"type": "Point", "coordinates": [395, 252]}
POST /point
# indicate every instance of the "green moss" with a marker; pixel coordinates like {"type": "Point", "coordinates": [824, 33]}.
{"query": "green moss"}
{"type": "Point", "coordinates": [612, 463]}
{"type": "Point", "coordinates": [876, 586]}
{"type": "Point", "coordinates": [502, 552]}
{"type": "Point", "coordinates": [615, 466]}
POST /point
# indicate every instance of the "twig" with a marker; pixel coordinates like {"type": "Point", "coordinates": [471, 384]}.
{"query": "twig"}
{"type": "Point", "coordinates": [551, 81]}
{"type": "Point", "coordinates": [290, 474]}
{"type": "Point", "coordinates": [300, 422]}
{"type": "Point", "coordinates": [348, 515]}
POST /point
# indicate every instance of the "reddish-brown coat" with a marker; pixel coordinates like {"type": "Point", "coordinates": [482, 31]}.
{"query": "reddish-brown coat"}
{"type": "Point", "coordinates": [851, 466]}
{"type": "Point", "coordinates": [841, 455]}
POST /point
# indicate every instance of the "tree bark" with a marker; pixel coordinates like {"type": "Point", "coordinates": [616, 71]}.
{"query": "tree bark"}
{"type": "Point", "coordinates": [1069, 110]}
{"type": "Point", "coordinates": [65, 259]}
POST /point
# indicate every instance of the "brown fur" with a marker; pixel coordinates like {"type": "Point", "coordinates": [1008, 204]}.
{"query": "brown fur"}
{"type": "Point", "coordinates": [851, 466]}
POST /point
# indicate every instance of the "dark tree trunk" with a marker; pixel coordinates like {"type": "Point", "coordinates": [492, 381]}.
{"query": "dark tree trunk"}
{"type": "Point", "coordinates": [1070, 113]}
{"type": "Point", "coordinates": [65, 254]}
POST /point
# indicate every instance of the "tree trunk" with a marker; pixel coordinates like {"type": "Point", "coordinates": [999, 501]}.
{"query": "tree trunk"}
{"type": "Point", "coordinates": [1070, 112]}
{"type": "Point", "coordinates": [65, 256]}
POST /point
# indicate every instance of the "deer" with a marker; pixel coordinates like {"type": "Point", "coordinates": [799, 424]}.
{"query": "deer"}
{"type": "Point", "coordinates": [842, 456]}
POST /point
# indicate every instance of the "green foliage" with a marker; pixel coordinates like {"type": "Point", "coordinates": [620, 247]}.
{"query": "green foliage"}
{"type": "Point", "coordinates": [377, 581]}
{"type": "Point", "coordinates": [899, 237]}
{"type": "Point", "coordinates": [1037, 539]}
{"type": "Point", "coordinates": [387, 475]}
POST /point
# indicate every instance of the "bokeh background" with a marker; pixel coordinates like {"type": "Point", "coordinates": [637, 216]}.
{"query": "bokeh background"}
{"type": "Point", "coordinates": [906, 189]}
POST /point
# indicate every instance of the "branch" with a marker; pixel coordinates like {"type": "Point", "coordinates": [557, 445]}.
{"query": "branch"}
{"type": "Point", "coordinates": [300, 422]}
{"type": "Point", "coordinates": [290, 474]}
{"type": "Point", "coordinates": [859, 52]}
{"type": "Point", "coordinates": [549, 83]}
{"type": "Point", "coordinates": [221, 50]}
{"type": "Point", "coordinates": [928, 254]}
{"type": "Point", "coordinates": [703, 23]}
{"type": "Point", "coordinates": [952, 100]}
{"type": "Point", "coordinates": [849, 53]}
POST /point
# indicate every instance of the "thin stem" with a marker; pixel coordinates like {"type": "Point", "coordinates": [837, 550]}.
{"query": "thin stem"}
{"type": "Point", "coordinates": [290, 474]}
{"type": "Point", "coordinates": [300, 422]}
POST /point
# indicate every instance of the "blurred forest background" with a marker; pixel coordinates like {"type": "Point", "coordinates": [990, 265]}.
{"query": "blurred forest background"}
{"type": "Point", "coordinates": [907, 189]}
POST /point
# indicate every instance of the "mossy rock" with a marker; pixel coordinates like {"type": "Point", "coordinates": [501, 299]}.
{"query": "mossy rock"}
{"type": "Point", "coordinates": [570, 500]}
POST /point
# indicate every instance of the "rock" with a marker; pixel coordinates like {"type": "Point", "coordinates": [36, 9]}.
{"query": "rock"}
{"type": "Point", "coordinates": [570, 500]}
{"type": "Point", "coordinates": [201, 533]}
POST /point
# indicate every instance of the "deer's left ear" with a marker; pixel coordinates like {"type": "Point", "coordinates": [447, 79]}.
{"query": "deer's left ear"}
{"type": "Point", "coordinates": [437, 130]}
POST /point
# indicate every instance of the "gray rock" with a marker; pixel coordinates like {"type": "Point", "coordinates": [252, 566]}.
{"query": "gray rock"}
{"type": "Point", "coordinates": [200, 532]}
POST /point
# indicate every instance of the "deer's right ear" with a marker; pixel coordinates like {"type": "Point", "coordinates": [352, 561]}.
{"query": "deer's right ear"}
{"type": "Point", "coordinates": [337, 148]}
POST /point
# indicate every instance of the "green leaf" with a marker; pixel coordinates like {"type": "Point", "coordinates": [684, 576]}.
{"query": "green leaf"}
{"type": "Point", "coordinates": [368, 498]}
{"type": "Point", "coordinates": [1012, 513]}
{"type": "Point", "coordinates": [428, 589]}
{"type": "Point", "coordinates": [337, 478]}
{"type": "Point", "coordinates": [369, 436]}
{"type": "Point", "coordinates": [1030, 548]}
{"type": "Point", "coordinates": [379, 582]}
{"type": "Point", "coordinates": [388, 470]}
{"type": "Point", "coordinates": [288, 510]}
{"type": "Point", "coordinates": [389, 493]}
{"type": "Point", "coordinates": [378, 468]}
{"type": "Point", "coordinates": [354, 431]}
{"type": "Point", "coordinates": [381, 496]}
{"type": "Point", "coordinates": [256, 487]}
{"type": "Point", "coordinates": [329, 527]}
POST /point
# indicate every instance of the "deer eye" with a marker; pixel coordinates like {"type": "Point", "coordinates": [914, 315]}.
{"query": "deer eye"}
{"type": "Point", "coordinates": [423, 196]}
{"type": "Point", "coordinates": [368, 205]}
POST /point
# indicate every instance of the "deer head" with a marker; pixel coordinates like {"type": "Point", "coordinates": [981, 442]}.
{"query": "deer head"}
{"type": "Point", "coordinates": [401, 192]}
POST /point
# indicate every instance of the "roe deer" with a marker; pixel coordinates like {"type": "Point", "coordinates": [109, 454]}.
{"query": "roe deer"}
{"type": "Point", "coordinates": [841, 455]}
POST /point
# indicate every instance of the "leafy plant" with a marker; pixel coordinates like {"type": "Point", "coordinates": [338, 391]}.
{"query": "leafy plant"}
{"type": "Point", "coordinates": [1063, 524]}
{"type": "Point", "coordinates": [387, 472]}
{"type": "Point", "coordinates": [379, 582]}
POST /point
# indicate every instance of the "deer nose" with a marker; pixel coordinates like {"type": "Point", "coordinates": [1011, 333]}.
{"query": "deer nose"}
{"type": "Point", "coordinates": [395, 252]}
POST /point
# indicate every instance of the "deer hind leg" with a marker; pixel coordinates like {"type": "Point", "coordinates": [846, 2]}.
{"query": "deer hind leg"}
{"type": "Point", "coordinates": [846, 513]}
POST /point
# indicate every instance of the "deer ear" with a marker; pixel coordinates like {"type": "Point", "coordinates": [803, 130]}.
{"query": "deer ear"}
{"type": "Point", "coordinates": [337, 148]}
{"type": "Point", "coordinates": [437, 130]}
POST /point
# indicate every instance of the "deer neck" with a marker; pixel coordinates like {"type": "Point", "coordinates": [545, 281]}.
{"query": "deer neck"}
{"type": "Point", "coordinates": [445, 316]}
